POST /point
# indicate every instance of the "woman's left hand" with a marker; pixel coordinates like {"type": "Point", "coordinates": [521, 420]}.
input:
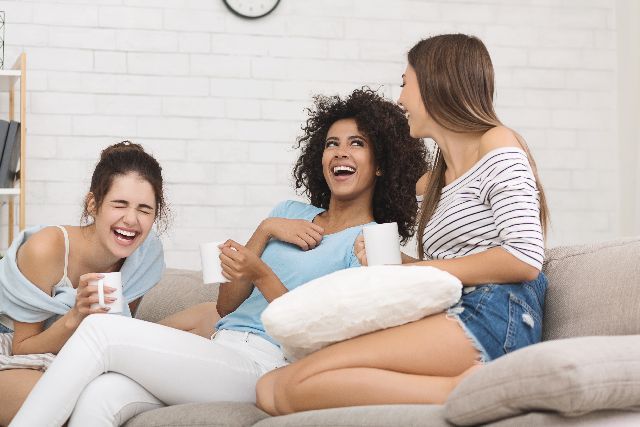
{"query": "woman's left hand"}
{"type": "Point", "coordinates": [240, 264]}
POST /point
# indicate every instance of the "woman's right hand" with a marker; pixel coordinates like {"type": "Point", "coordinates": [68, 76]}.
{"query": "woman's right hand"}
{"type": "Point", "coordinates": [360, 250]}
{"type": "Point", "coordinates": [304, 234]}
{"type": "Point", "coordinates": [87, 295]}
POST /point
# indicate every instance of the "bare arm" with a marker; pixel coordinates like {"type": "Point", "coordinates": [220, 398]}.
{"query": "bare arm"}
{"type": "Point", "coordinates": [494, 265]}
{"type": "Point", "coordinates": [301, 233]}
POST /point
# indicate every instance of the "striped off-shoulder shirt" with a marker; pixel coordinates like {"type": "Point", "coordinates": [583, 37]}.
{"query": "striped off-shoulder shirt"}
{"type": "Point", "coordinates": [494, 204]}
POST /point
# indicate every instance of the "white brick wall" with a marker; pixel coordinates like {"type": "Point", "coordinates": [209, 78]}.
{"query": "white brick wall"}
{"type": "Point", "coordinates": [219, 100]}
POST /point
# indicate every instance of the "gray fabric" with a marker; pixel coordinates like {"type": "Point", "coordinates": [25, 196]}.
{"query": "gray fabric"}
{"type": "Point", "coordinates": [378, 416]}
{"type": "Point", "coordinates": [594, 419]}
{"type": "Point", "coordinates": [593, 290]}
{"type": "Point", "coordinates": [178, 289]}
{"type": "Point", "coordinates": [571, 376]}
{"type": "Point", "coordinates": [231, 414]}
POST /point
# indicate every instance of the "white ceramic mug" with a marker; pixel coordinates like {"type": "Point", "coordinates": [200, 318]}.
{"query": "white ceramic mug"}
{"type": "Point", "coordinates": [112, 280]}
{"type": "Point", "coordinates": [382, 244]}
{"type": "Point", "coordinates": [211, 266]}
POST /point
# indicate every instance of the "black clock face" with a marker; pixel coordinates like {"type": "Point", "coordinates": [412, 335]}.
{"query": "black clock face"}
{"type": "Point", "coordinates": [251, 9]}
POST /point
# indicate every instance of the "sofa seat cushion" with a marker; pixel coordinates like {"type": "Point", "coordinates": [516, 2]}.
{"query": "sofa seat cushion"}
{"type": "Point", "coordinates": [378, 416]}
{"type": "Point", "coordinates": [215, 414]}
{"type": "Point", "coordinates": [572, 377]}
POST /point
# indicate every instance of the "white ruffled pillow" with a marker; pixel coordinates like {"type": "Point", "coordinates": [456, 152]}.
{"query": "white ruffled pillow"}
{"type": "Point", "coordinates": [355, 301]}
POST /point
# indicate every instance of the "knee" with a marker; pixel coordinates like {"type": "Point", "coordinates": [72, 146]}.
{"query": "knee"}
{"type": "Point", "coordinates": [287, 390]}
{"type": "Point", "coordinates": [93, 322]}
{"type": "Point", "coordinates": [94, 403]}
{"type": "Point", "coordinates": [264, 393]}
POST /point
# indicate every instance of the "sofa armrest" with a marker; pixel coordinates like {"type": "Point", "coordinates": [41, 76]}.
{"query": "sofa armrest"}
{"type": "Point", "coordinates": [177, 290]}
{"type": "Point", "coordinates": [572, 377]}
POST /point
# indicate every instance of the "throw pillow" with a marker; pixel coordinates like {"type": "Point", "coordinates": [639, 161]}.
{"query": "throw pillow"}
{"type": "Point", "coordinates": [571, 376]}
{"type": "Point", "coordinates": [355, 301]}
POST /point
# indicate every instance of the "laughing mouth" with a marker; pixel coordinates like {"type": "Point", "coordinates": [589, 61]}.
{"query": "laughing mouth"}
{"type": "Point", "coordinates": [123, 234]}
{"type": "Point", "coordinates": [343, 170]}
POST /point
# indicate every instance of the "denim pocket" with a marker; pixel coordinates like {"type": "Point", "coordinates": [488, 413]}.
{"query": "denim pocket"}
{"type": "Point", "coordinates": [524, 326]}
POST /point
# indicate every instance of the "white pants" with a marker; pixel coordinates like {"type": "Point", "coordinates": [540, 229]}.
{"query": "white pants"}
{"type": "Point", "coordinates": [162, 366]}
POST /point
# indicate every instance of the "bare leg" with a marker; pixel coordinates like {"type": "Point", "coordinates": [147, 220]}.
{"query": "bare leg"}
{"type": "Point", "coordinates": [420, 362]}
{"type": "Point", "coordinates": [15, 387]}
{"type": "Point", "coordinates": [199, 319]}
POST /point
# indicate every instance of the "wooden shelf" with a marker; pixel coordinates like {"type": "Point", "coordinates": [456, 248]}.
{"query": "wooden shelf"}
{"type": "Point", "coordinates": [11, 78]}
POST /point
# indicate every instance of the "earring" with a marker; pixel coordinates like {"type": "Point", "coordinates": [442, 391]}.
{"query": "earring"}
{"type": "Point", "coordinates": [378, 172]}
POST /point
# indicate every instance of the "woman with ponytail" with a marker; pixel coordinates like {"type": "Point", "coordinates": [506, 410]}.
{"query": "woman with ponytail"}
{"type": "Point", "coordinates": [45, 276]}
{"type": "Point", "coordinates": [482, 219]}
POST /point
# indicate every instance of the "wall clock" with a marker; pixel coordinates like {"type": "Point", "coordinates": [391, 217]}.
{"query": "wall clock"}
{"type": "Point", "coordinates": [251, 9]}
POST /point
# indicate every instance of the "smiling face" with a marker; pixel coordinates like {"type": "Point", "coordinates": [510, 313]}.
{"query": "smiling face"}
{"type": "Point", "coordinates": [126, 215]}
{"type": "Point", "coordinates": [411, 102]}
{"type": "Point", "coordinates": [348, 161]}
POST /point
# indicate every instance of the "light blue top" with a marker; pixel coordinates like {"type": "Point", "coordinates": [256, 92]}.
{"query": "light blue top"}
{"type": "Point", "coordinates": [23, 301]}
{"type": "Point", "coordinates": [293, 266]}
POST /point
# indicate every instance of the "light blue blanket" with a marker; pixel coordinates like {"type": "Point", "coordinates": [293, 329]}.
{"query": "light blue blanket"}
{"type": "Point", "coordinates": [25, 302]}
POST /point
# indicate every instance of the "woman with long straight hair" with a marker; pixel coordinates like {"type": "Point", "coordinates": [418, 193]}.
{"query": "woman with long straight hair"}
{"type": "Point", "coordinates": [483, 217]}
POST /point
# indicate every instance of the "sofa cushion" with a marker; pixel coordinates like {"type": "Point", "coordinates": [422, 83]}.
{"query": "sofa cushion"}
{"type": "Point", "coordinates": [593, 290]}
{"type": "Point", "coordinates": [593, 419]}
{"type": "Point", "coordinates": [178, 290]}
{"type": "Point", "coordinates": [571, 376]}
{"type": "Point", "coordinates": [378, 416]}
{"type": "Point", "coordinates": [356, 301]}
{"type": "Point", "coordinates": [227, 414]}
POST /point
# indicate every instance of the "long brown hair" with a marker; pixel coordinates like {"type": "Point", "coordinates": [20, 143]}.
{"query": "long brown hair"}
{"type": "Point", "coordinates": [456, 80]}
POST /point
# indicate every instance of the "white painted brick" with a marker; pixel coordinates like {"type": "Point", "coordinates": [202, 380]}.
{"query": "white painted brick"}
{"type": "Point", "coordinates": [164, 149]}
{"type": "Point", "coordinates": [262, 130]}
{"type": "Point", "coordinates": [538, 78]}
{"type": "Point", "coordinates": [242, 109]}
{"type": "Point", "coordinates": [315, 27]}
{"type": "Point", "coordinates": [82, 82]}
{"type": "Point", "coordinates": [241, 88]}
{"type": "Point", "coordinates": [147, 41]}
{"type": "Point", "coordinates": [579, 119]}
{"type": "Point", "coordinates": [218, 151]}
{"type": "Point", "coordinates": [239, 44]}
{"type": "Point", "coordinates": [344, 49]}
{"type": "Point", "coordinates": [83, 38]}
{"type": "Point", "coordinates": [194, 20]}
{"type": "Point", "coordinates": [580, 18]}
{"type": "Point", "coordinates": [562, 159]}
{"type": "Point", "coordinates": [553, 98]}
{"type": "Point", "coordinates": [37, 194]}
{"type": "Point", "coordinates": [502, 35]}
{"type": "Point", "coordinates": [361, 29]}
{"type": "Point", "coordinates": [182, 172]}
{"type": "Point", "coordinates": [195, 216]}
{"type": "Point", "coordinates": [60, 59]}
{"type": "Point", "coordinates": [160, 85]}
{"type": "Point", "coordinates": [268, 194]}
{"type": "Point", "coordinates": [508, 57]}
{"type": "Point", "coordinates": [297, 47]}
{"type": "Point", "coordinates": [565, 37]}
{"type": "Point", "coordinates": [193, 106]}
{"type": "Point", "coordinates": [601, 99]}
{"type": "Point", "coordinates": [326, 8]}
{"type": "Point", "coordinates": [220, 66]}
{"type": "Point", "coordinates": [168, 127]}
{"type": "Point", "coordinates": [510, 97]}
{"type": "Point", "coordinates": [52, 214]}
{"type": "Point", "coordinates": [555, 179]}
{"type": "Point", "coordinates": [219, 129]}
{"type": "Point", "coordinates": [605, 39]}
{"type": "Point", "coordinates": [41, 146]}
{"type": "Point", "coordinates": [555, 58]}
{"type": "Point", "coordinates": [284, 110]}
{"type": "Point", "coordinates": [560, 138]}
{"type": "Point", "coordinates": [599, 59]}
{"type": "Point", "coordinates": [62, 103]}
{"type": "Point", "coordinates": [381, 51]}
{"type": "Point", "coordinates": [268, 26]}
{"type": "Point", "coordinates": [86, 147]}
{"type": "Point", "coordinates": [238, 217]}
{"type": "Point", "coordinates": [162, 64]}
{"type": "Point", "coordinates": [304, 90]}
{"type": "Point", "coordinates": [65, 14]}
{"type": "Point", "coordinates": [273, 153]}
{"type": "Point", "coordinates": [67, 193]}
{"type": "Point", "coordinates": [137, 105]}
{"type": "Point", "coordinates": [18, 12]}
{"type": "Point", "coordinates": [116, 126]}
{"type": "Point", "coordinates": [284, 175]}
{"type": "Point", "coordinates": [527, 117]}
{"type": "Point", "coordinates": [29, 35]}
{"type": "Point", "coordinates": [64, 170]}
{"type": "Point", "coordinates": [194, 42]}
{"type": "Point", "coordinates": [244, 173]}
{"type": "Point", "coordinates": [467, 12]}
{"type": "Point", "coordinates": [130, 17]}
{"type": "Point", "coordinates": [206, 195]}
{"type": "Point", "coordinates": [49, 124]}
{"type": "Point", "coordinates": [110, 62]}
{"type": "Point", "coordinates": [184, 259]}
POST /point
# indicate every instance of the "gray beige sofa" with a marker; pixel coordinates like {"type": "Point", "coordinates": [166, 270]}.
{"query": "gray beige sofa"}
{"type": "Point", "coordinates": [586, 372]}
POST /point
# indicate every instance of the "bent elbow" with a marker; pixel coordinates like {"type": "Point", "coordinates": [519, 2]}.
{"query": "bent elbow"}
{"type": "Point", "coordinates": [530, 273]}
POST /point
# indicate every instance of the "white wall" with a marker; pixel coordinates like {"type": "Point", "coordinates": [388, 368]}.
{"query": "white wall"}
{"type": "Point", "coordinates": [219, 100]}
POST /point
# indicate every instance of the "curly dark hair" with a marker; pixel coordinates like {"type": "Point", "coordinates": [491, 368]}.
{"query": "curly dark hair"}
{"type": "Point", "coordinates": [401, 158]}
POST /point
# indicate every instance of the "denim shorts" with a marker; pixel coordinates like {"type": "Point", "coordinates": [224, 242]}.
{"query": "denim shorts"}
{"type": "Point", "coordinates": [501, 318]}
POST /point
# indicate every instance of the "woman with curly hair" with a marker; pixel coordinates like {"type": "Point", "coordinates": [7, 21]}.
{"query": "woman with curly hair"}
{"type": "Point", "coordinates": [358, 165]}
{"type": "Point", "coordinates": [482, 220]}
